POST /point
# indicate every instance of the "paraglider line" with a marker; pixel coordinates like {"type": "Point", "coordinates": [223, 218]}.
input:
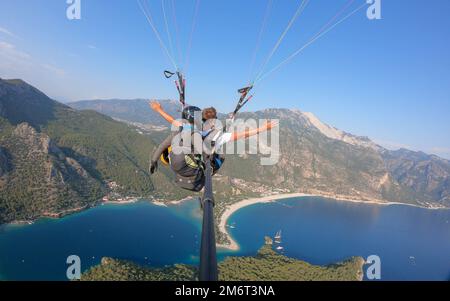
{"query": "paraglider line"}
{"type": "Point", "coordinates": [194, 23]}
{"type": "Point", "coordinates": [148, 16]}
{"type": "Point", "coordinates": [260, 35]}
{"type": "Point", "coordinates": [315, 38]}
{"type": "Point", "coordinates": [299, 11]}
{"type": "Point", "coordinates": [169, 36]}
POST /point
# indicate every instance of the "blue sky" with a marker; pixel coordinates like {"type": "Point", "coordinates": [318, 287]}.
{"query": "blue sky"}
{"type": "Point", "coordinates": [388, 79]}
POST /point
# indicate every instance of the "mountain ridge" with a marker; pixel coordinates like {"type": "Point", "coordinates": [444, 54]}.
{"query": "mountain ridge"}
{"type": "Point", "coordinates": [106, 106]}
{"type": "Point", "coordinates": [55, 159]}
{"type": "Point", "coordinates": [359, 161]}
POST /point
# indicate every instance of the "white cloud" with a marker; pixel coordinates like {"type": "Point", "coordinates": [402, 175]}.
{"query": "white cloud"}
{"type": "Point", "coordinates": [73, 55]}
{"type": "Point", "coordinates": [14, 61]}
{"type": "Point", "coordinates": [54, 69]}
{"type": "Point", "coordinates": [10, 55]}
{"type": "Point", "coordinates": [441, 151]}
{"type": "Point", "coordinates": [7, 32]}
{"type": "Point", "coordinates": [92, 47]}
{"type": "Point", "coordinates": [392, 145]}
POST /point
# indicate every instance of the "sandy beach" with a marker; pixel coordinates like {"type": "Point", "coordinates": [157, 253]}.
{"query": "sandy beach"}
{"type": "Point", "coordinates": [122, 202]}
{"type": "Point", "coordinates": [159, 203]}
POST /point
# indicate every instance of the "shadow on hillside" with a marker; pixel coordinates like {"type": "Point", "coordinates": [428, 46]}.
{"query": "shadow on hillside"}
{"type": "Point", "coordinates": [22, 102]}
{"type": "Point", "coordinates": [88, 163]}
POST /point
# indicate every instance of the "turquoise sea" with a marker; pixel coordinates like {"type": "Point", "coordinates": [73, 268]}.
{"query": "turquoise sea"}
{"type": "Point", "coordinates": [412, 243]}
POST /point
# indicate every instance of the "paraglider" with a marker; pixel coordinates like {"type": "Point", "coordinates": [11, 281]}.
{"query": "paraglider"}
{"type": "Point", "coordinates": [179, 163]}
{"type": "Point", "coordinates": [194, 169]}
{"type": "Point", "coordinates": [189, 165]}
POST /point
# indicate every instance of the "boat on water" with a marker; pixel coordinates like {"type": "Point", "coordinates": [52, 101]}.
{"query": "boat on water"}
{"type": "Point", "coordinates": [279, 248]}
{"type": "Point", "coordinates": [277, 237]}
{"type": "Point", "coordinates": [231, 226]}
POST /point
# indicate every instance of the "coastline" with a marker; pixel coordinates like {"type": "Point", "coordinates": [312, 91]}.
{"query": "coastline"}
{"type": "Point", "coordinates": [122, 201]}
{"type": "Point", "coordinates": [231, 209]}
{"type": "Point", "coordinates": [223, 218]}
{"type": "Point", "coordinates": [61, 214]}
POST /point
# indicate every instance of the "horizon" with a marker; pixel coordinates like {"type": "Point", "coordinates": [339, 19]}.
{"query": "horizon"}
{"type": "Point", "coordinates": [263, 109]}
{"type": "Point", "coordinates": [399, 65]}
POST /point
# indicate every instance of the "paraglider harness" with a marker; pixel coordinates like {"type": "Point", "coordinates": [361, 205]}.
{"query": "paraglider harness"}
{"type": "Point", "coordinates": [189, 168]}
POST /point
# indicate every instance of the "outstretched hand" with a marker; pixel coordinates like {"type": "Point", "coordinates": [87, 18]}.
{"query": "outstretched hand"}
{"type": "Point", "coordinates": [156, 106]}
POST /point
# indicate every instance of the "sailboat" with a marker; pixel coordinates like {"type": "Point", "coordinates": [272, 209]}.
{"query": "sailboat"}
{"type": "Point", "coordinates": [278, 237]}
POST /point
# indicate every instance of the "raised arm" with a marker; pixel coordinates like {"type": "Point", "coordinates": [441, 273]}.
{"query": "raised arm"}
{"type": "Point", "coordinates": [248, 133]}
{"type": "Point", "coordinates": [156, 106]}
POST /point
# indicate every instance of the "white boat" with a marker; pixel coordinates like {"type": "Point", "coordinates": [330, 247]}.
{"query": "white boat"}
{"type": "Point", "coordinates": [278, 237]}
{"type": "Point", "coordinates": [279, 248]}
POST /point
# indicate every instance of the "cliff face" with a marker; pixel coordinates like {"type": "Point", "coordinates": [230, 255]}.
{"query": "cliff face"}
{"type": "Point", "coordinates": [426, 175]}
{"type": "Point", "coordinates": [4, 161]}
{"type": "Point", "coordinates": [38, 178]}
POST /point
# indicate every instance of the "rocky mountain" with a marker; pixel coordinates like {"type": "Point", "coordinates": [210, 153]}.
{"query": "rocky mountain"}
{"type": "Point", "coordinates": [423, 174]}
{"type": "Point", "coordinates": [134, 110]}
{"type": "Point", "coordinates": [38, 178]}
{"type": "Point", "coordinates": [318, 158]}
{"type": "Point", "coordinates": [334, 133]}
{"type": "Point", "coordinates": [54, 159]}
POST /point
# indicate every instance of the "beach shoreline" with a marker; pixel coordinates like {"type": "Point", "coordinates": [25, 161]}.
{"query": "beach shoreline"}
{"type": "Point", "coordinates": [231, 209]}
{"type": "Point", "coordinates": [223, 218]}
{"type": "Point", "coordinates": [124, 202]}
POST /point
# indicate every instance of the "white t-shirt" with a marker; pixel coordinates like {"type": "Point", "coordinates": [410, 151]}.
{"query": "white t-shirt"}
{"type": "Point", "coordinates": [222, 140]}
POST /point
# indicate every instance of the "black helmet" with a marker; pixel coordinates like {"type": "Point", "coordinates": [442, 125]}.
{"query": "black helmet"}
{"type": "Point", "coordinates": [189, 113]}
